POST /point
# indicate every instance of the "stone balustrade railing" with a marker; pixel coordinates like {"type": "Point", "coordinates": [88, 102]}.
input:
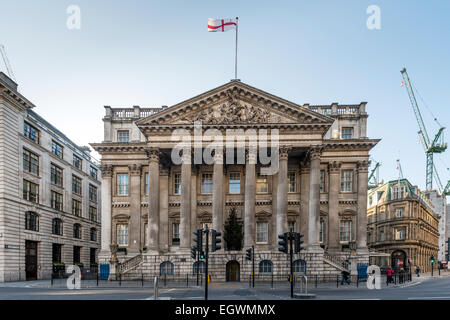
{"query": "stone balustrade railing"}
{"type": "Point", "coordinates": [130, 263]}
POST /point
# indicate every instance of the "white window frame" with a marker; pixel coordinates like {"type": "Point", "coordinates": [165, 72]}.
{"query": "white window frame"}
{"type": "Point", "coordinates": [123, 186]}
{"type": "Point", "coordinates": [347, 181]}
{"type": "Point", "coordinates": [207, 187]}
{"type": "Point", "coordinates": [260, 183]}
{"type": "Point", "coordinates": [122, 234]}
{"type": "Point", "coordinates": [234, 183]}
{"type": "Point", "coordinates": [177, 183]}
{"type": "Point", "coordinates": [262, 232]}
{"type": "Point", "coordinates": [345, 230]}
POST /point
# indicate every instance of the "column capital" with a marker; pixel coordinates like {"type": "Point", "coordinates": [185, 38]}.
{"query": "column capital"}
{"type": "Point", "coordinates": [107, 170]}
{"type": "Point", "coordinates": [363, 166]}
{"type": "Point", "coordinates": [153, 154]}
{"type": "Point", "coordinates": [315, 152]}
{"type": "Point", "coordinates": [135, 169]}
{"type": "Point", "coordinates": [334, 166]}
{"type": "Point", "coordinates": [284, 152]}
{"type": "Point", "coordinates": [218, 156]}
{"type": "Point", "coordinates": [186, 155]}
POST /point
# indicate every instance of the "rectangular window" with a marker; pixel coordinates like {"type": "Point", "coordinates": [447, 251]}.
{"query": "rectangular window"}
{"type": "Point", "coordinates": [56, 252]}
{"type": "Point", "coordinates": [147, 185]}
{"type": "Point", "coordinates": [346, 180]}
{"type": "Point", "coordinates": [234, 184]}
{"type": "Point", "coordinates": [291, 226]}
{"type": "Point", "coordinates": [76, 185]}
{"type": "Point", "coordinates": [177, 184]}
{"type": "Point", "coordinates": [399, 213]}
{"type": "Point", "coordinates": [92, 193]}
{"type": "Point", "coordinates": [175, 233]}
{"type": "Point", "coordinates": [57, 201]}
{"type": "Point", "coordinates": [30, 162]}
{"type": "Point", "coordinates": [77, 162]}
{"type": "Point", "coordinates": [92, 256]}
{"type": "Point", "coordinates": [381, 235]}
{"type": "Point", "coordinates": [379, 195]}
{"type": "Point", "coordinates": [77, 231]}
{"type": "Point", "coordinates": [93, 173]}
{"type": "Point", "coordinates": [122, 234]}
{"type": "Point", "coordinates": [122, 184]}
{"type": "Point", "coordinates": [31, 221]}
{"type": "Point", "coordinates": [292, 182]}
{"type": "Point", "coordinates": [261, 232]}
{"type": "Point", "coordinates": [76, 254]}
{"type": "Point", "coordinates": [400, 234]}
{"type": "Point", "coordinates": [347, 133]}
{"type": "Point", "coordinates": [92, 213]}
{"type": "Point", "coordinates": [345, 230]}
{"type": "Point", "coordinates": [30, 191]}
{"type": "Point", "coordinates": [398, 192]}
{"type": "Point", "coordinates": [321, 232]}
{"type": "Point", "coordinates": [261, 184]}
{"type": "Point", "coordinates": [57, 226]}
{"type": "Point", "coordinates": [370, 200]}
{"type": "Point", "coordinates": [30, 132]}
{"type": "Point", "coordinates": [207, 183]}
{"type": "Point", "coordinates": [57, 149]}
{"type": "Point", "coordinates": [322, 181]}
{"type": "Point", "coordinates": [93, 234]}
{"type": "Point", "coordinates": [56, 175]}
{"type": "Point", "coordinates": [76, 208]}
{"type": "Point", "coordinates": [123, 136]}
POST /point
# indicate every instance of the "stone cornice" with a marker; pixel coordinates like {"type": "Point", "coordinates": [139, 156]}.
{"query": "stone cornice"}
{"type": "Point", "coordinates": [118, 147]}
{"type": "Point", "coordinates": [350, 144]}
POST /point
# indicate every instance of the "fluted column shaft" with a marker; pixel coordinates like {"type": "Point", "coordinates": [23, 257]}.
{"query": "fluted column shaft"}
{"type": "Point", "coordinates": [333, 206]}
{"type": "Point", "coordinates": [185, 209]}
{"type": "Point", "coordinates": [361, 235]}
{"type": "Point", "coordinates": [153, 201]}
{"type": "Point", "coordinates": [135, 209]}
{"type": "Point", "coordinates": [249, 202]}
{"type": "Point", "coordinates": [218, 194]}
{"type": "Point", "coordinates": [107, 172]}
{"type": "Point", "coordinates": [282, 191]}
{"type": "Point", "coordinates": [314, 199]}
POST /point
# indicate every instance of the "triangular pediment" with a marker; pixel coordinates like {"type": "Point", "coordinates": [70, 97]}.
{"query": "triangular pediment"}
{"type": "Point", "coordinates": [235, 103]}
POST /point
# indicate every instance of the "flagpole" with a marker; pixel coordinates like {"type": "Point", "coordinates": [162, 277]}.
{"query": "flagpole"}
{"type": "Point", "coordinates": [235, 57]}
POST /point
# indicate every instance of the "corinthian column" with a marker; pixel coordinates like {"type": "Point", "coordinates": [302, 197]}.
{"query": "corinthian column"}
{"type": "Point", "coordinates": [153, 200]}
{"type": "Point", "coordinates": [185, 208]}
{"type": "Point", "coordinates": [282, 190]}
{"type": "Point", "coordinates": [105, 251]}
{"type": "Point", "coordinates": [361, 234]}
{"type": "Point", "coordinates": [135, 208]}
{"type": "Point", "coordinates": [249, 202]}
{"type": "Point", "coordinates": [333, 206]}
{"type": "Point", "coordinates": [217, 197]}
{"type": "Point", "coordinates": [314, 199]}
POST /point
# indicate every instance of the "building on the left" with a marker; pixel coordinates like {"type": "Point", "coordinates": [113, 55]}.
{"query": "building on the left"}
{"type": "Point", "coordinates": [49, 194]}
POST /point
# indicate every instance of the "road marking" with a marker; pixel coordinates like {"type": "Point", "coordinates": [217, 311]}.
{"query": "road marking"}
{"type": "Point", "coordinates": [409, 285]}
{"type": "Point", "coordinates": [422, 298]}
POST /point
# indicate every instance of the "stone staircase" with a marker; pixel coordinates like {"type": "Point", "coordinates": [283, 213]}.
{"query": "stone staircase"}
{"type": "Point", "coordinates": [130, 264]}
{"type": "Point", "coordinates": [338, 262]}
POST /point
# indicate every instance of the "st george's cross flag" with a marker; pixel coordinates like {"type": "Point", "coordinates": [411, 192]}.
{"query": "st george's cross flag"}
{"type": "Point", "coordinates": [221, 25]}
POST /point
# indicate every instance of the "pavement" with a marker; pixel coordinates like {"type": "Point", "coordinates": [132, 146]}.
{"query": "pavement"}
{"type": "Point", "coordinates": [424, 287]}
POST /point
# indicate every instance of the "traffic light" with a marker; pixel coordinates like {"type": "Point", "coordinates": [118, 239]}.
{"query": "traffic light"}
{"type": "Point", "coordinates": [432, 259]}
{"type": "Point", "coordinates": [298, 241]}
{"type": "Point", "coordinates": [194, 252]}
{"type": "Point", "coordinates": [248, 254]}
{"type": "Point", "coordinates": [283, 243]}
{"type": "Point", "coordinates": [199, 240]}
{"type": "Point", "coordinates": [202, 255]}
{"type": "Point", "coordinates": [215, 239]}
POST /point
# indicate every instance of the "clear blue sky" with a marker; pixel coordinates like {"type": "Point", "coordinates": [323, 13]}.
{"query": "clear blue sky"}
{"type": "Point", "coordinates": [153, 53]}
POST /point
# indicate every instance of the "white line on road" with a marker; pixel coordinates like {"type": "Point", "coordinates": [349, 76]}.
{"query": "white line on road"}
{"type": "Point", "coordinates": [423, 298]}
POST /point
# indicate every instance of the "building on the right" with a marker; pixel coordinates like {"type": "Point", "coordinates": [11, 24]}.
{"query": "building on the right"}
{"type": "Point", "coordinates": [439, 202]}
{"type": "Point", "coordinates": [402, 222]}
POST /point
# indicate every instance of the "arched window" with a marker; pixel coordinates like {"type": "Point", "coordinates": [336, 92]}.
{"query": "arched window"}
{"type": "Point", "coordinates": [199, 266]}
{"type": "Point", "coordinates": [93, 234]}
{"type": "Point", "coordinates": [57, 227]}
{"type": "Point", "coordinates": [31, 221]}
{"type": "Point", "coordinates": [166, 268]}
{"type": "Point", "coordinates": [77, 231]}
{"type": "Point", "coordinates": [299, 266]}
{"type": "Point", "coordinates": [265, 266]}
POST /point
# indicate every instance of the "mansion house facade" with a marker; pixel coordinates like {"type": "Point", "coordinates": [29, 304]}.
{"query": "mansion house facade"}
{"type": "Point", "coordinates": [151, 205]}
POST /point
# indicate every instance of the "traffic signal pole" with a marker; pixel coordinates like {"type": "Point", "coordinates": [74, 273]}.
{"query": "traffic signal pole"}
{"type": "Point", "coordinates": [206, 258]}
{"type": "Point", "coordinates": [291, 253]}
{"type": "Point", "coordinates": [253, 265]}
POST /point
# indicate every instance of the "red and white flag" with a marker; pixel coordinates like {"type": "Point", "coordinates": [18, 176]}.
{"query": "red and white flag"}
{"type": "Point", "coordinates": [221, 25]}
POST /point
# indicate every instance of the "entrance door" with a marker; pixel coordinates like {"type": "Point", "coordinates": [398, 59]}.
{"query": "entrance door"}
{"type": "Point", "coordinates": [398, 260]}
{"type": "Point", "coordinates": [31, 257]}
{"type": "Point", "coordinates": [232, 271]}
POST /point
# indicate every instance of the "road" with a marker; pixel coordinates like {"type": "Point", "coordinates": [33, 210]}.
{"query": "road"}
{"type": "Point", "coordinates": [425, 288]}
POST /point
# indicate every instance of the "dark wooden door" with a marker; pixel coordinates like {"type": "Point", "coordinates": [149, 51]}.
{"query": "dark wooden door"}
{"type": "Point", "coordinates": [233, 271]}
{"type": "Point", "coordinates": [31, 259]}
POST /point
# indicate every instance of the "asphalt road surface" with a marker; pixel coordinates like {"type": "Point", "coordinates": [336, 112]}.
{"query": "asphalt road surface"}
{"type": "Point", "coordinates": [419, 289]}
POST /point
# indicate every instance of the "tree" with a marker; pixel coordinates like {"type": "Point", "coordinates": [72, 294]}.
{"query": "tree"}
{"type": "Point", "coordinates": [233, 234]}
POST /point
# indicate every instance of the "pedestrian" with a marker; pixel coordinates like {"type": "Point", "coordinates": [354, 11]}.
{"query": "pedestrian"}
{"type": "Point", "coordinates": [401, 275]}
{"type": "Point", "coordinates": [345, 277]}
{"type": "Point", "coordinates": [418, 271]}
{"type": "Point", "coordinates": [390, 272]}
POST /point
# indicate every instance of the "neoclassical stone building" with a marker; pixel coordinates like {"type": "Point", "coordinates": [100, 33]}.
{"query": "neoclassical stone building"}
{"type": "Point", "coordinates": [151, 203]}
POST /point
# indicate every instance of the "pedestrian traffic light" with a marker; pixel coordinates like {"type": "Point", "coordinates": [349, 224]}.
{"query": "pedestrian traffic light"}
{"type": "Point", "coordinates": [199, 240]}
{"type": "Point", "coordinates": [298, 241]}
{"type": "Point", "coordinates": [194, 252]}
{"type": "Point", "coordinates": [215, 239]}
{"type": "Point", "coordinates": [432, 259]}
{"type": "Point", "coordinates": [283, 243]}
{"type": "Point", "coordinates": [248, 254]}
{"type": "Point", "coordinates": [202, 255]}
